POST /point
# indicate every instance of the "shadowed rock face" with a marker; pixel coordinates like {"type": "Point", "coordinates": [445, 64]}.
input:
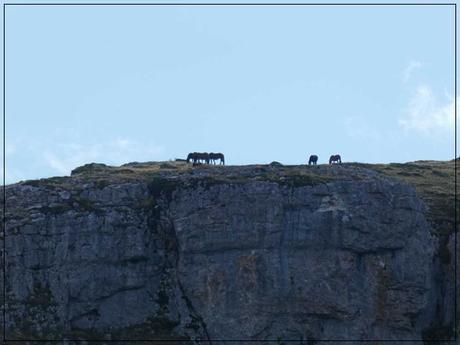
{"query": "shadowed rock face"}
{"type": "Point", "coordinates": [220, 254]}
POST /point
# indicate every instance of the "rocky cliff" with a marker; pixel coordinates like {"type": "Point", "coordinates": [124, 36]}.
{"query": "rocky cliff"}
{"type": "Point", "coordinates": [237, 253]}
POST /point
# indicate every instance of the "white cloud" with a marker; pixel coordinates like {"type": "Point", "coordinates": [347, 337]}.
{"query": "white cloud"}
{"type": "Point", "coordinates": [68, 156]}
{"type": "Point", "coordinates": [411, 67]}
{"type": "Point", "coordinates": [62, 151]}
{"type": "Point", "coordinates": [425, 115]}
{"type": "Point", "coordinates": [55, 163]}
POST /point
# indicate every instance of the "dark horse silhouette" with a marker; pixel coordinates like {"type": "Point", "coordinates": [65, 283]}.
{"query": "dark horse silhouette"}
{"type": "Point", "coordinates": [313, 159]}
{"type": "Point", "coordinates": [191, 157]}
{"type": "Point", "coordinates": [196, 157]}
{"type": "Point", "coordinates": [335, 159]}
{"type": "Point", "coordinates": [215, 156]}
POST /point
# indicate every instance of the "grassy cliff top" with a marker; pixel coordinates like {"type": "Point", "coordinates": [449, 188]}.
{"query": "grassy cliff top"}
{"type": "Point", "coordinates": [434, 181]}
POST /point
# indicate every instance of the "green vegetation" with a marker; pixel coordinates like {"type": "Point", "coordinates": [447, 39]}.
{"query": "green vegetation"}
{"type": "Point", "coordinates": [90, 168]}
{"type": "Point", "coordinates": [158, 326]}
{"type": "Point", "coordinates": [85, 203]}
{"type": "Point", "coordinates": [161, 186]}
{"type": "Point", "coordinates": [77, 203]}
{"type": "Point", "coordinates": [58, 209]}
{"type": "Point", "coordinates": [168, 166]}
{"type": "Point", "coordinates": [434, 182]}
{"type": "Point", "coordinates": [101, 183]}
{"type": "Point", "coordinates": [40, 320]}
{"type": "Point", "coordinates": [37, 324]}
{"type": "Point", "coordinates": [52, 183]}
{"type": "Point", "coordinates": [295, 178]}
{"type": "Point", "coordinates": [33, 183]}
{"type": "Point", "coordinates": [146, 203]}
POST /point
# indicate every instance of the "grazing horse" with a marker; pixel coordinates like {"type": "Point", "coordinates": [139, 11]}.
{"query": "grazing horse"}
{"type": "Point", "coordinates": [196, 157]}
{"type": "Point", "coordinates": [215, 156]}
{"type": "Point", "coordinates": [313, 159]}
{"type": "Point", "coordinates": [203, 156]}
{"type": "Point", "coordinates": [192, 157]}
{"type": "Point", "coordinates": [335, 159]}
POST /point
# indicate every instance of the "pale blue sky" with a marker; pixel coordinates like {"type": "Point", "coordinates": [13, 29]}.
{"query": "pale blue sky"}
{"type": "Point", "coordinates": [115, 84]}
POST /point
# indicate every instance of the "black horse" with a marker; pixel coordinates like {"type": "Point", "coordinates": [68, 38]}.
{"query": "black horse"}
{"type": "Point", "coordinates": [215, 156]}
{"type": "Point", "coordinates": [197, 157]}
{"type": "Point", "coordinates": [203, 156]}
{"type": "Point", "coordinates": [191, 157]}
{"type": "Point", "coordinates": [335, 159]}
{"type": "Point", "coordinates": [313, 159]}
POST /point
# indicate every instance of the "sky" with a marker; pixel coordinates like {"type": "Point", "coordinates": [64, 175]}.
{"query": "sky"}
{"type": "Point", "coordinates": [118, 84]}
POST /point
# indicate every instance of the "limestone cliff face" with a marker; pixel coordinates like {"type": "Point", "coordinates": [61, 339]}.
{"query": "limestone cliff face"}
{"type": "Point", "coordinates": [209, 253]}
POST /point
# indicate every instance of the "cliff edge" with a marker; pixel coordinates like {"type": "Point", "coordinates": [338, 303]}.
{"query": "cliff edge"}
{"type": "Point", "coordinates": [195, 254]}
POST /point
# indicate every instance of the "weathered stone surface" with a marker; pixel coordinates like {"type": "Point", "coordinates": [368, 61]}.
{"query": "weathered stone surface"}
{"type": "Point", "coordinates": [228, 253]}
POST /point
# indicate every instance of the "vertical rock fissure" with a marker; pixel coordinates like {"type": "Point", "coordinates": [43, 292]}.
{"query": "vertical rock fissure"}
{"type": "Point", "coordinates": [284, 245]}
{"type": "Point", "coordinates": [163, 223]}
{"type": "Point", "coordinates": [193, 313]}
{"type": "Point", "coordinates": [283, 260]}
